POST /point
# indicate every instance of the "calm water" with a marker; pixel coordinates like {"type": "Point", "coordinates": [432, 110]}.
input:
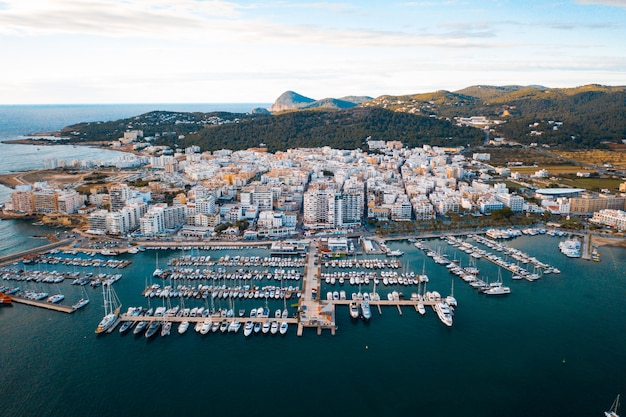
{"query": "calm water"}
{"type": "Point", "coordinates": [503, 356]}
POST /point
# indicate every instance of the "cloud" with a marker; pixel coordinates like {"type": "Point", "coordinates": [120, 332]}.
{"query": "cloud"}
{"type": "Point", "coordinates": [217, 21]}
{"type": "Point", "coordinates": [615, 3]}
{"type": "Point", "coordinates": [110, 17]}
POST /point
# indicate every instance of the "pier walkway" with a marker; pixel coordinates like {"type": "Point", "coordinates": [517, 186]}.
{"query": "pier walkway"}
{"type": "Point", "coordinates": [18, 256]}
{"type": "Point", "coordinates": [44, 304]}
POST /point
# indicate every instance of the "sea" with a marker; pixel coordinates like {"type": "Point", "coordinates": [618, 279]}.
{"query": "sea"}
{"type": "Point", "coordinates": [554, 347]}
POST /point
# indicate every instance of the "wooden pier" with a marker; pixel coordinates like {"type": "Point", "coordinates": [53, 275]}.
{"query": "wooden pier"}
{"type": "Point", "coordinates": [16, 257]}
{"type": "Point", "coordinates": [44, 304]}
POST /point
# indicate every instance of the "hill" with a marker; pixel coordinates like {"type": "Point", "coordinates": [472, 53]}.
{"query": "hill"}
{"type": "Point", "coordinates": [342, 129]}
{"type": "Point", "coordinates": [577, 117]}
{"type": "Point", "coordinates": [290, 101]}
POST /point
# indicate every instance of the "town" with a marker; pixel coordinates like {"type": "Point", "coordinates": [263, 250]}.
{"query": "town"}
{"type": "Point", "coordinates": [254, 194]}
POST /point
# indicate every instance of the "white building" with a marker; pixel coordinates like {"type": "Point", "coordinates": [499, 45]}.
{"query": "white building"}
{"type": "Point", "coordinates": [610, 217]}
{"type": "Point", "coordinates": [514, 202]}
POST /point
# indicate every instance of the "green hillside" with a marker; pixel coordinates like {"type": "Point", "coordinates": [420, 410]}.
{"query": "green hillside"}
{"type": "Point", "coordinates": [344, 129]}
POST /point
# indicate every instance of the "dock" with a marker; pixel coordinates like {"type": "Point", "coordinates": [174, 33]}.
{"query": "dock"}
{"type": "Point", "coordinates": [44, 304]}
{"type": "Point", "coordinates": [18, 256]}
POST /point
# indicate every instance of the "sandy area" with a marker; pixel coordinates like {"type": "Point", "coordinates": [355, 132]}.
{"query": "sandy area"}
{"type": "Point", "coordinates": [608, 241]}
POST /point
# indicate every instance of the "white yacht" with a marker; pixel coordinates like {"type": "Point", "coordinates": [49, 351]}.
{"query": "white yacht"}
{"type": "Point", "coordinates": [443, 312]}
{"type": "Point", "coordinates": [112, 308]}
{"type": "Point", "coordinates": [165, 328]}
{"type": "Point", "coordinates": [266, 327]}
{"type": "Point", "coordinates": [366, 312]}
{"type": "Point", "coordinates": [283, 327]}
{"type": "Point", "coordinates": [248, 328]}
{"type": "Point", "coordinates": [183, 326]}
{"type": "Point", "coordinates": [420, 308]}
{"type": "Point", "coordinates": [497, 289]}
{"type": "Point", "coordinates": [274, 327]}
{"type": "Point", "coordinates": [206, 325]}
{"type": "Point", "coordinates": [354, 309]}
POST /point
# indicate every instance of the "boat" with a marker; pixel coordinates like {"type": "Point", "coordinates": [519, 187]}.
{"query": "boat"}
{"type": "Point", "coordinates": [496, 288]}
{"type": "Point", "coordinates": [183, 326]}
{"type": "Point", "coordinates": [595, 256]}
{"type": "Point", "coordinates": [274, 327]}
{"type": "Point", "coordinates": [152, 329]}
{"type": "Point", "coordinates": [420, 308]}
{"type": "Point", "coordinates": [443, 312]}
{"type": "Point", "coordinates": [206, 325]}
{"type": "Point", "coordinates": [234, 326]}
{"type": "Point", "coordinates": [157, 271]}
{"type": "Point", "coordinates": [266, 327]}
{"type": "Point", "coordinates": [112, 308]}
{"type": "Point", "coordinates": [81, 303]}
{"type": "Point", "coordinates": [283, 327]}
{"type": "Point", "coordinates": [140, 327]}
{"type": "Point", "coordinates": [366, 312]}
{"type": "Point", "coordinates": [354, 309]}
{"type": "Point", "coordinates": [613, 411]}
{"type": "Point", "coordinates": [5, 299]}
{"type": "Point", "coordinates": [396, 252]}
{"type": "Point", "coordinates": [128, 324]}
{"type": "Point", "coordinates": [166, 326]}
{"type": "Point", "coordinates": [53, 299]}
{"type": "Point", "coordinates": [257, 327]}
{"type": "Point", "coordinates": [224, 326]}
{"type": "Point", "coordinates": [248, 328]}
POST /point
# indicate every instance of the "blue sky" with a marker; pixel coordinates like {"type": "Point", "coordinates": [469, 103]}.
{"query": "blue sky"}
{"type": "Point", "coordinates": [168, 51]}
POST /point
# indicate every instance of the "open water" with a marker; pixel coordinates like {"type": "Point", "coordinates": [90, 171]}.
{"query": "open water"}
{"type": "Point", "coordinates": [555, 347]}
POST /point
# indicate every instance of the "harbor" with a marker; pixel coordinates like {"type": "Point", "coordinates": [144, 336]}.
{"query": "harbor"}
{"type": "Point", "coordinates": [396, 328]}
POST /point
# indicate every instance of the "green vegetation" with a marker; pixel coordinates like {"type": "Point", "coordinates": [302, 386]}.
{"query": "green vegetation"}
{"type": "Point", "coordinates": [593, 184]}
{"type": "Point", "coordinates": [344, 129]}
{"type": "Point", "coordinates": [590, 114]}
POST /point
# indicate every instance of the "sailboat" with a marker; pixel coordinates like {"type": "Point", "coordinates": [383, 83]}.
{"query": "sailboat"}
{"type": "Point", "coordinates": [157, 271]}
{"type": "Point", "coordinates": [496, 288]}
{"type": "Point", "coordinates": [112, 308]}
{"type": "Point", "coordinates": [83, 301]}
{"type": "Point", "coordinates": [613, 411]}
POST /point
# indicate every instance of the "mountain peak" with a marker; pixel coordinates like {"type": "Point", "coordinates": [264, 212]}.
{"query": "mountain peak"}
{"type": "Point", "coordinates": [290, 100]}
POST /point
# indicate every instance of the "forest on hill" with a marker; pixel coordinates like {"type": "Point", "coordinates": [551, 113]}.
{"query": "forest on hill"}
{"type": "Point", "coordinates": [585, 117]}
{"type": "Point", "coordinates": [344, 129]}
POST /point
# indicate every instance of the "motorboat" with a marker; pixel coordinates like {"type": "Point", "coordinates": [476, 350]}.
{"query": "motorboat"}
{"type": "Point", "coordinates": [248, 328]}
{"type": "Point", "coordinates": [152, 329]}
{"type": "Point", "coordinates": [224, 326]}
{"type": "Point", "coordinates": [55, 298]}
{"type": "Point", "coordinates": [420, 308]}
{"type": "Point", "coordinates": [366, 312]}
{"type": "Point", "coordinates": [234, 326]}
{"type": "Point", "coordinates": [166, 326]}
{"type": "Point", "coordinates": [257, 327]}
{"type": "Point", "coordinates": [183, 326]}
{"type": "Point", "coordinates": [354, 309]}
{"type": "Point", "coordinates": [266, 327]}
{"type": "Point", "coordinates": [81, 303]}
{"type": "Point", "coordinates": [443, 312]}
{"type": "Point", "coordinates": [497, 289]}
{"type": "Point", "coordinates": [274, 327]}
{"type": "Point", "coordinates": [206, 325]}
{"type": "Point", "coordinates": [284, 326]}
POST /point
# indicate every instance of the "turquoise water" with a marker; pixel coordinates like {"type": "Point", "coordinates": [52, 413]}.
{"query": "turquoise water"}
{"type": "Point", "coordinates": [503, 356]}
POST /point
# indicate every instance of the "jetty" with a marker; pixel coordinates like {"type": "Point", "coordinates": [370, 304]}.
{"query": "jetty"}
{"type": "Point", "coordinates": [18, 256]}
{"type": "Point", "coordinates": [44, 304]}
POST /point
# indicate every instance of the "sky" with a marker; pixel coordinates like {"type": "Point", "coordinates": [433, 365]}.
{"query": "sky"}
{"type": "Point", "coordinates": [195, 51]}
